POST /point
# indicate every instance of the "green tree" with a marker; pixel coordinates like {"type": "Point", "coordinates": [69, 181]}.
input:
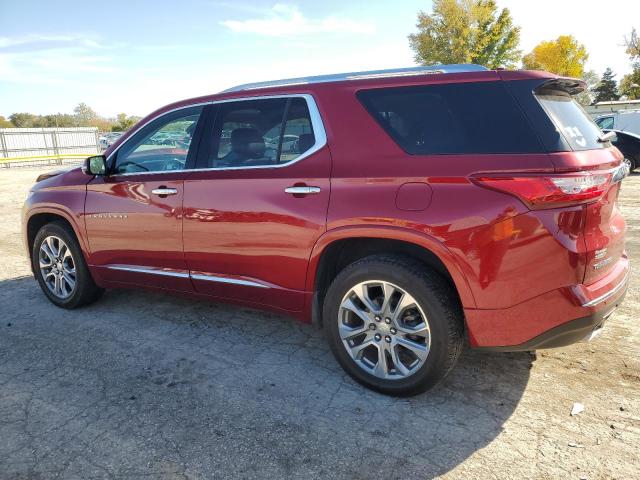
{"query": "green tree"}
{"type": "Point", "coordinates": [4, 123]}
{"type": "Point", "coordinates": [633, 45]}
{"type": "Point", "coordinates": [123, 122]}
{"type": "Point", "coordinates": [563, 56]}
{"type": "Point", "coordinates": [586, 98]}
{"type": "Point", "coordinates": [630, 84]}
{"type": "Point", "coordinates": [84, 115]}
{"type": "Point", "coordinates": [466, 31]}
{"type": "Point", "coordinates": [60, 120]}
{"type": "Point", "coordinates": [23, 120]}
{"type": "Point", "coordinates": [607, 88]}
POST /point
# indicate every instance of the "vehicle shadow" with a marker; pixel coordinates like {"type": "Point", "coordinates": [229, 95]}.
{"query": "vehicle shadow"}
{"type": "Point", "coordinates": [149, 384]}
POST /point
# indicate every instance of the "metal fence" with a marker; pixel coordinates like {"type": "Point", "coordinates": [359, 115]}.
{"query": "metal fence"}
{"type": "Point", "coordinates": [44, 146]}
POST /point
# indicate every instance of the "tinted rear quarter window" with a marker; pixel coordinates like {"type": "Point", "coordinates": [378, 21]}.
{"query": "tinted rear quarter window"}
{"type": "Point", "coordinates": [453, 118]}
{"type": "Point", "coordinates": [580, 132]}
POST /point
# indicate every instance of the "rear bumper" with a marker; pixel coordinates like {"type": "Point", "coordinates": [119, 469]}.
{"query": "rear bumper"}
{"type": "Point", "coordinates": [555, 319]}
{"type": "Point", "coordinates": [581, 329]}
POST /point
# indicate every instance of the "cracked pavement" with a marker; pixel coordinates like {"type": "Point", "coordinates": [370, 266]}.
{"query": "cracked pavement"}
{"type": "Point", "coordinates": [143, 385]}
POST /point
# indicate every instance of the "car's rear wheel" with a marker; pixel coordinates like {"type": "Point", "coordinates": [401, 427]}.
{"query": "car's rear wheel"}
{"type": "Point", "coordinates": [60, 268]}
{"type": "Point", "coordinates": [394, 325]}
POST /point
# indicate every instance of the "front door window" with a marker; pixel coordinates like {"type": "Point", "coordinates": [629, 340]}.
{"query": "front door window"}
{"type": "Point", "coordinates": [160, 147]}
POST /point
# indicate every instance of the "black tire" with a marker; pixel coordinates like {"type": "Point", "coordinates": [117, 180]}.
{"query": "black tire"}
{"type": "Point", "coordinates": [435, 297]}
{"type": "Point", "coordinates": [85, 291]}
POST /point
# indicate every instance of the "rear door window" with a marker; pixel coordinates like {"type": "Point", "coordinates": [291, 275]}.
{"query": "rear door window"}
{"type": "Point", "coordinates": [266, 132]}
{"type": "Point", "coordinates": [454, 118]}
{"type": "Point", "coordinates": [577, 127]}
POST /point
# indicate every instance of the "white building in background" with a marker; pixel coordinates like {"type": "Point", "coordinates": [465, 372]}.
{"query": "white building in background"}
{"type": "Point", "coordinates": [612, 106]}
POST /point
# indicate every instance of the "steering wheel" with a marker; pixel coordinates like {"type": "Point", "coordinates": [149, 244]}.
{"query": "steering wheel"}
{"type": "Point", "coordinates": [125, 164]}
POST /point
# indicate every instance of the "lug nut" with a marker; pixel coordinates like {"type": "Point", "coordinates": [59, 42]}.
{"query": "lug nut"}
{"type": "Point", "coordinates": [378, 318]}
{"type": "Point", "coordinates": [387, 320]}
{"type": "Point", "coordinates": [387, 339]}
{"type": "Point", "coordinates": [393, 331]}
{"type": "Point", "coordinates": [377, 337]}
{"type": "Point", "coordinates": [372, 326]}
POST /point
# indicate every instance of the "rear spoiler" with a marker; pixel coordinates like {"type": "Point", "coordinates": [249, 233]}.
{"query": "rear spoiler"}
{"type": "Point", "coordinates": [572, 86]}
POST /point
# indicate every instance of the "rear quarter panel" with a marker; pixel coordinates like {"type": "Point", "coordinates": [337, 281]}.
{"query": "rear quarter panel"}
{"type": "Point", "coordinates": [506, 254]}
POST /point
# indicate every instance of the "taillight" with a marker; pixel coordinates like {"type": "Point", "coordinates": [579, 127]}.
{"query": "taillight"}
{"type": "Point", "coordinates": [549, 191]}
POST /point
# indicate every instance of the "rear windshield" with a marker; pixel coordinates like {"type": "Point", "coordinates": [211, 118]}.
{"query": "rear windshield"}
{"type": "Point", "coordinates": [453, 118]}
{"type": "Point", "coordinates": [580, 132]}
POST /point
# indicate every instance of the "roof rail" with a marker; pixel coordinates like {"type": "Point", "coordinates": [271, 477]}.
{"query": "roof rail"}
{"type": "Point", "coordinates": [337, 77]}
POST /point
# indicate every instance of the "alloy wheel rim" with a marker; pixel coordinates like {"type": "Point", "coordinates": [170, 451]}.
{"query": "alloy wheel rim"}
{"type": "Point", "coordinates": [627, 161]}
{"type": "Point", "coordinates": [384, 330]}
{"type": "Point", "coordinates": [57, 267]}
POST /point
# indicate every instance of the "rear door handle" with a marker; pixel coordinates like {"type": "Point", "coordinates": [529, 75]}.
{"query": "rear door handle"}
{"type": "Point", "coordinates": [164, 191]}
{"type": "Point", "coordinates": [302, 190]}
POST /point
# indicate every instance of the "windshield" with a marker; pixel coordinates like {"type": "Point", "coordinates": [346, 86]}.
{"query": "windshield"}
{"type": "Point", "coordinates": [571, 120]}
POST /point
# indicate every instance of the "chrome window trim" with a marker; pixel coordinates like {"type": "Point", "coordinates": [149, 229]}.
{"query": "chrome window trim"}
{"type": "Point", "coordinates": [317, 124]}
{"type": "Point", "coordinates": [610, 293]}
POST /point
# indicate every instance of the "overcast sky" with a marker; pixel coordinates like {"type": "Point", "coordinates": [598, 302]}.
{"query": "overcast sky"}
{"type": "Point", "coordinates": [133, 56]}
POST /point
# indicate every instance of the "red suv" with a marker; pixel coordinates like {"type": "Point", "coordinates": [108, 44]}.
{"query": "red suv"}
{"type": "Point", "coordinates": [407, 211]}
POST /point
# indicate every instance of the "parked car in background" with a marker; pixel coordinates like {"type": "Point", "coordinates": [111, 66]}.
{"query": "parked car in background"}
{"type": "Point", "coordinates": [623, 121]}
{"type": "Point", "coordinates": [416, 209]}
{"type": "Point", "coordinates": [629, 144]}
{"type": "Point", "coordinates": [108, 139]}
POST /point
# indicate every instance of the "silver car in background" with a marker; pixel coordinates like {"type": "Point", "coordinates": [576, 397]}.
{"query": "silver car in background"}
{"type": "Point", "coordinates": [107, 139]}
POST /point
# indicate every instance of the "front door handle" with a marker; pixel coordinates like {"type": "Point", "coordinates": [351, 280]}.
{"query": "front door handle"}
{"type": "Point", "coordinates": [164, 191]}
{"type": "Point", "coordinates": [302, 190]}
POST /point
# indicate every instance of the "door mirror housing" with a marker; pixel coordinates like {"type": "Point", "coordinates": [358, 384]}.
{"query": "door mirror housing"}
{"type": "Point", "coordinates": [96, 165]}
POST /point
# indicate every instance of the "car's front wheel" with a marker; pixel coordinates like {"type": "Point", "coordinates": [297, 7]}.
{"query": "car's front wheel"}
{"type": "Point", "coordinates": [60, 268]}
{"type": "Point", "coordinates": [393, 324]}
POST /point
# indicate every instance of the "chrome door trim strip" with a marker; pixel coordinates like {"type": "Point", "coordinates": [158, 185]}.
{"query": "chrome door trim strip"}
{"type": "Point", "coordinates": [222, 279]}
{"type": "Point", "coordinates": [149, 270]}
{"type": "Point", "coordinates": [610, 293]}
{"type": "Point", "coordinates": [184, 274]}
{"type": "Point", "coordinates": [319, 133]}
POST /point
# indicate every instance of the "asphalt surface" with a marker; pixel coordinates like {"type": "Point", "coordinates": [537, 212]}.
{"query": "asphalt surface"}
{"type": "Point", "coordinates": [142, 385]}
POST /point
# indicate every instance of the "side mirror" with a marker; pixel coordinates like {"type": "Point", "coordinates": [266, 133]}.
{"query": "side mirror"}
{"type": "Point", "coordinates": [96, 165]}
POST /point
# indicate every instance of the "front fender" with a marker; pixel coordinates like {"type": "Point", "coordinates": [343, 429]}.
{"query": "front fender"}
{"type": "Point", "coordinates": [74, 218]}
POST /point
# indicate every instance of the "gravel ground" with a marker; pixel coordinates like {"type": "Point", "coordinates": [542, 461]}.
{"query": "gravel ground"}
{"type": "Point", "coordinates": [143, 385]}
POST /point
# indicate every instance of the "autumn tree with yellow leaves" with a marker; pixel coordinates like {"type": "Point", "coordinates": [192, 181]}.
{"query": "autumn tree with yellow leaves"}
{"type": "Point", "coordinates": [563, 56]}
{"type": "Point", "coordinates": [466, 31]}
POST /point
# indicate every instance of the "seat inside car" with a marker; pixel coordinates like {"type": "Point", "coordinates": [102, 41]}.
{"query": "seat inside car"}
{"type": "Point", "coordinates": [246, 144]}
{"type": "Point", "coordinates": [305, 142]}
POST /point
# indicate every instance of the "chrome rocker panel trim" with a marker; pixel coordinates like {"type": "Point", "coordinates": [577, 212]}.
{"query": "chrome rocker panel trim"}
{"type": "Point", "coordinates": [184, 274]}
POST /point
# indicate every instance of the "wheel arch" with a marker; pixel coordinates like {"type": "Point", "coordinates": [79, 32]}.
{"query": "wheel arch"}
{"type": "Point", "coordinates": [39, 217]}
{"type": "Point", "coordinates": [340, 247]}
